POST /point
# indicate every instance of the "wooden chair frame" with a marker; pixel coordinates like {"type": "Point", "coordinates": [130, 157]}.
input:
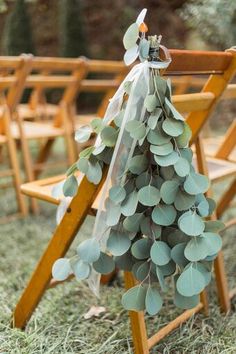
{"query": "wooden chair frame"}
{"type": "Point", "coordinates": [222, 64]}
{"type": "Point", "coordinates": [15, 71]}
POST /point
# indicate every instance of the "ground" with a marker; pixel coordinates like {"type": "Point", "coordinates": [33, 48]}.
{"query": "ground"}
{"type": "Point", "coordinates": [58, 325]}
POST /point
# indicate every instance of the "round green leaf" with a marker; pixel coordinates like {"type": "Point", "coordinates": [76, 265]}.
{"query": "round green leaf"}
{"type": "Point", "coordinates": [203, 208]}
{"type": "Point", "coordinates": [154, 117]}
{"type": "Point", "coordinates": [124, 262]}
{"type": "Point", "coordinates": [153, 301]}
{"type": "Point", "coordinates": [144, 46]}
{"type": "Point", "coordinates": [149, 196]}
{"type": "Point", "coordinates": [175, 113]}
{"type": "Point", "coordinates": [173, 127]}
{"type": "Point", "coordinates": [157, 136]}
{"type": "Point", "coordinates": [167, 172]}
{"type": "Point", "coordinates": [89, 250]}
{"type": "Point", "coordinates": [143, 180]}
{"type": "Point", "coordinates": [196, 183]}
{"type": "Point", "coordinates": [134, 298]}
{"type": "Point", "coordinates": [94, 172]}
{"type": "Point", "coordinates": [129, 205]}
{"type": "Point", "coordinates": [97, 125]}
{"type": "Point", "coordinates": [141, 248]}
{"type": "Point", "coordinates": [117, 194]}
{"type": "Point", "coordinates": [164, 215]}
{"type": "Point", "coordinates": [81, 269]}
{"type": "Point", "coordinates": [70, 186]}
{"type": "Point", "coordinates": [167, 160]}
{"type": "Point", "coordinates": [150, 229]}
{"type": "Point", "coordinates": [141, 271]}
{"type": "Point", "coordinates": [183, 201]}
{"type": "Point", "coordinates": [186, 302]}
{"type": "Point", "coordinates": [190, 282]}
{"type": "Point", "coordinates": [131, 55]}
{"type": "Point", "coordinates": [131, 36]}
{"type": "Point", "coordinates": [191, 224]}
{"type": "Point", "coordinates": [169, 191]}
{"type": "Point", "coordinates": [162, 150]}
{"type": "Point", "coordinates": [113, 212]}
{"type": "Point", "coordinates": [177, 254]}
{"type": "Point", "coordinates": [83, 165]}
{"type": "Point", "coordinates": [61, 269]}
{"type": "Point", "coordinates": [138, 164]}
{"type": "Point", "coordinates": [104, 264]}
{"type": "Point", "coordinates": [160, 253]}
{"type": "Point", "coordinates": [109, 136]}
{"type": "Point", "coordinates": [196, 249]}
{"type": "Point", "coordinates": [204, 271]}
{"type": "Point", "coordinates": [83, 134]}
{"type": "Point", "coordinates": [183, 139]}
{"type": "Point", "coordinates": [213, 243]}
{"type": "Point", "coordinates": [132, 223]}
{"type": "Point", "coordinates": [182, 167]}
{"type": "Point", "coordinates": [118, 243]}
{"type": "Point", "coordinates": [150, 102]}
{"type": "Point", "coordinates": [175, 237]}
{"type": "Point", "coordinates": [136, 129]}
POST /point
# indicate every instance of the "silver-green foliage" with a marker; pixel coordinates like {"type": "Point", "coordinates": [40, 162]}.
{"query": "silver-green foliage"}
{"type": "Point", "coordinates": [155, 215]}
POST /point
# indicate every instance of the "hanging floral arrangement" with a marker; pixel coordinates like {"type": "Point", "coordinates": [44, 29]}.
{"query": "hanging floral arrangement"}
{"type": "Point", "coordinates": [150, 219]}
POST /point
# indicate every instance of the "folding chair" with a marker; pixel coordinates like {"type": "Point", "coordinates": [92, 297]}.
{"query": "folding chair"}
{"type": "Point", "coordinates": [220, 67]}
{"type": "Point", "coordinates": [13, 73]}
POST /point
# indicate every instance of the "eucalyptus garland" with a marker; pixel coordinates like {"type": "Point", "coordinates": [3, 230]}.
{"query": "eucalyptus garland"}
{"type": "Point", "coordinates": [155, 207]}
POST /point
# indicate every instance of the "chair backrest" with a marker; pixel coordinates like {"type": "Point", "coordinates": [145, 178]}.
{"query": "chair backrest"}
{"type": "Point", "coordinates": [220, 67]}
{"type": "Point", "coordinates": [13, 74]}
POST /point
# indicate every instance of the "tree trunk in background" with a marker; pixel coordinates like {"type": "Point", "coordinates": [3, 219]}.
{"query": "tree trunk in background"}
{"type": "Point", "coordinates": [17, 34]}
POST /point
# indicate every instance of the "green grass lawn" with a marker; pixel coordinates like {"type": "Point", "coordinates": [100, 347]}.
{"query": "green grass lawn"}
{"type": "Point", "coordinates": [58, 326]}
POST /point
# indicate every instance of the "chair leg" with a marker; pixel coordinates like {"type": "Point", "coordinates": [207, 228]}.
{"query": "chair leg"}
{"type": "Point", "coordinates": [57, 248]}
{"type": "Point", "coordinates": [69, 130]}
{"type": "Point", "coordinates": [15, 166]}
{"type": "Point", "coordinates": [137, 320]}
{"type": "Point", "coordinates": [226, 199]}
{"type": "Point", "coordinates": [221, 283]}
{"type": "Point", "coordinates": [44, 152]}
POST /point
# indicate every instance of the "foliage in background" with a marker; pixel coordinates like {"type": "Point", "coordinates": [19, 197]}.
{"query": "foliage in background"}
{"type": "Point", "coordinates": [215, 20]}
{"type": "Point", "coordinates": [17, 38]}
{"type": "Point", "coordinates": [71, 29]}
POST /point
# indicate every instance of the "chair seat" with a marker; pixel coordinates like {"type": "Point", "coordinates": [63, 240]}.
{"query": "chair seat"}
{"type": "Point", "coordinates": [35, 130]}
{"type": "Point", "coordinates": [42, 189]}
{"type": "Point", "coordinates": [48, 110]}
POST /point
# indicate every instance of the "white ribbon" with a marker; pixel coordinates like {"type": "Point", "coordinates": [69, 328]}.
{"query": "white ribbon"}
{"type": "Point", "coordinates": [139, 75]}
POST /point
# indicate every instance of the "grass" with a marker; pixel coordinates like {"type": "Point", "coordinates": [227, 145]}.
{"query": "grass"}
{"type": "Point", "coordinates": [58, 326]}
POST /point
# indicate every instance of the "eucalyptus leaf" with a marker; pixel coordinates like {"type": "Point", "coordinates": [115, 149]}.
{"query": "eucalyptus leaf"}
{"type": "Point", "coordinates": [83, 165]}
{"type": "Point", "coordinates": [213, 243]}
{"type": "Point", "coordinates": [161, 279]}
{"type": "Point", "coordinates": [143, 180]}
{"type": "Point", "coordinates": [169, 191]}
{"type": "Point", "coordinates": [214, 226]}
{"type": "Point", "coordinates": [164, 215]}
{"type": "Point", "coordinates": [154, 117]}
{"type": "Point", "coordinates": [196, 183]}
{"type": "Point", "coordinates": [113, 213]}
{"type": "Point", "coordinates": [86, 153]}
{"type": "Point", "coordinates": [141, 248]}
{"type": "Point", "coordinates": [117, 194]}
{"type": "Point", "coordinates": [118, 243]}
{"type": "Point", "coordinates": [162, 150]}
{"type": "Point", "coordinates": [131, 55]}
{"type": "Point", "coordinates": [138, 164]}
{"type": "Point", "coordinates": [150, 229]}
{"type": "Point", "coordinates": [131, 36]}
{"type": "Point", "coordinates": [150, 102]}
{"type": "Point", "coordinates": [182, 167]}
{"type": "Point", "coordinates": [144, 46]}
{"type": "Point", "coordinates": [160, 253]}
{"type": "Point", "coordinates": [89, 250]}
{"type": "Point", "coordinates": [81, 269]}
{"type": "Point", "coordinates": [132, 223]}
{"type": "Point", "coordinates": [105, 264]}
{"type": "Point", "coordinates": [177, 254]}
{"type": "Point", "coordinates": [196, 249]}
{"type": "Point", "coordinates": [134, 298]}
{"type": "Point", "coordinates": [183, 201]}
{"type": "Point", "coordinates": [94, 172]}
{"type": "Point", "coordinates": [191, 224]}
{"type": "Point", "coordinates": [97, 125]}
{"type": "Point", "coordinates": [190, 282]}
{"type": "Point", "coordinates": [61, 269]}
{"type": "Point", "coordinates": [149, 196]}
{"type": "Point", "coordinates": [153, 301]}
{"type": "Point", "coordinates": [136, 129]}
{"type": "Point", "coordinates": [183, 139]}
{"type": "Point", "coordinates": [129, 205]}
{"type": "Point", "coordinates": [83, 134]}
{"type": "Point", "coordinates": [158, 136]}
{"type": "Point", "coordinates": [173, 110]}
{"type": "Point", "coordinates": [70, 186]}
{"type": "Point", "coordinates": [109, 136]}
{"type": "Point", "coordinates": [167, 160]}
{"type": "Point", "coordinates": [186, 302]}
{"type": "Point", "coordinates": [173, 127]}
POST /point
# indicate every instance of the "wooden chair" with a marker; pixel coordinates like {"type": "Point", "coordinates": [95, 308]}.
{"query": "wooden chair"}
{"type": "Point", "coordinates": [13, 74]}
{"type": "Point", "coordinates": [221, 68]}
